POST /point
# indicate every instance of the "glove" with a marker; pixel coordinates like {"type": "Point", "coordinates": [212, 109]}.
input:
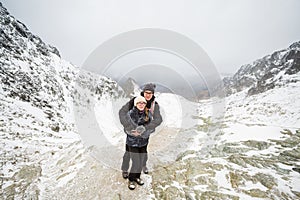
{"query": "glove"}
{"type": "Point", "coordinates": [145, 135]}
{"type": "Point", "coordinates": [140, 129]}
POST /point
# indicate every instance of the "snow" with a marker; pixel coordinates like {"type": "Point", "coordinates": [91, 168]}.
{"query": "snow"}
{"type": "Point", "coordinates": [250, 185]}
{"type": "Point", "coordinates": [108, 121]}
{"type": "Point", "coordinates": [200, 187]}
{"type": "Point", "coordinates": [280, 74]}
{"type": "Point", "coordinates": [29, 109]}
{"type": "Point", "coordinates": [278, 107]}
{"type": "Point", "coordinates": [198, 140]}
{"type": "Point", "coordinates": [171, 109]}
{"type": "Point", "coordinates": [69, 175]}
{"type": "Point", "coordinates": [241, 132]}
{"type": "Point", "coordinates": [221, 178]}
{"type": "Point", "coordinates": [267, 151]}
{"type": "Point", "coordinates": [294, 182]}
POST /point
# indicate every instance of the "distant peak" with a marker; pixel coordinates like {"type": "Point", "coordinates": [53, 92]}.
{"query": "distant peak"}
{"type": "Point", "coordinates": [13, 33]}
{"type": "Point", "coordinates": [295, 45]}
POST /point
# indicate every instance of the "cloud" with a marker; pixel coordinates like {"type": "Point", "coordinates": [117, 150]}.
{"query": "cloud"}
{"type": "Point", "coordinates": [231, 32]}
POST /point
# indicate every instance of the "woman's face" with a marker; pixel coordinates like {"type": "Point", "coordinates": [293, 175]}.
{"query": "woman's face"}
{"type": "Point", "coordinates": [141, 105]}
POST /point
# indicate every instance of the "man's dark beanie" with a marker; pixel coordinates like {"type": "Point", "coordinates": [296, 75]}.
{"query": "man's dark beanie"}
{"type": "Point", "coordinates": [149, 86]}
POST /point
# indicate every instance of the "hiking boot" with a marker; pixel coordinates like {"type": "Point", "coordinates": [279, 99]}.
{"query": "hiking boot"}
{"type": "Point", "coordinates": [125, 175]}
{"type": "Point", "coordinates": [139, 181]}
{"type": "Point", "coordinates": [131, 185]}
{"type": "Point", "coordinates": [145, 170]}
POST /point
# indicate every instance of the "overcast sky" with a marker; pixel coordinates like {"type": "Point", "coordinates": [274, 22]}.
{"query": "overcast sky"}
{"type": "Point", "coordinates": [232, 32]}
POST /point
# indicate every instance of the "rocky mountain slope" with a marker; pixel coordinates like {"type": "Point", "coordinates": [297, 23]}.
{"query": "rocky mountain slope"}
{"type": "Point", "coordinates": [266, 73]}
{"type": "Point", "coordinates": [256, 150]}
{"type": "Point", "coordinates": [38, 91]}
{"type": "Point", "coordinates": [255, 155]}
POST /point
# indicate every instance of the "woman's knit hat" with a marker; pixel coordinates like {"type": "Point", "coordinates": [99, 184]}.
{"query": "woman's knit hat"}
{"type": "Point", "coordinates": [139, 99]}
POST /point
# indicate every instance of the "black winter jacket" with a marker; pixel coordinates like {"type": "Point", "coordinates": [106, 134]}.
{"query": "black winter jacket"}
{"type": "Point", "coordinates": [124, 118]}
{"type": "Point", "coordinates": [138, 118]}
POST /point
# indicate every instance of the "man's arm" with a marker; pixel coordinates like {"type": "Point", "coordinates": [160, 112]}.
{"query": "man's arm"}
{"type": "Point", "coordinates": [157, 119]}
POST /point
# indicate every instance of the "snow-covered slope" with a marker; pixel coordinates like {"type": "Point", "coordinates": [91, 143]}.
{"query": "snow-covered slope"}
{"type": "Point", "coordinates": [255, 154]}
{"type": "Point", "coordinates": [38, 91]}
{"type": "Point", "coordinates": [253, 151]}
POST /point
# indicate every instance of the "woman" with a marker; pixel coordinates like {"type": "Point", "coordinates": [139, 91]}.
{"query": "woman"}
{"type": "Point", "coordinates": [137, 139]}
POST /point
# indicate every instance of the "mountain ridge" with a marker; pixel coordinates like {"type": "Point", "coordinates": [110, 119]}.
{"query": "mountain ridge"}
{"type": "Point", "coordinates": [265, 73]}
{"type": "Point", "coordinates": [16, 28]}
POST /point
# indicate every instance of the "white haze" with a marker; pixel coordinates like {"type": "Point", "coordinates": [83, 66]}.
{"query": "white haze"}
{"type": "Point", "coordinates": [231, 32]}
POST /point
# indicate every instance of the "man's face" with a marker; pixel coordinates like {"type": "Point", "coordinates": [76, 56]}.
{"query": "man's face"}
{"type": "Point", "coordinates": [148, 95]}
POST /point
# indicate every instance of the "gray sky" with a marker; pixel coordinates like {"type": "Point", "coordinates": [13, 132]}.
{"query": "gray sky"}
{"type": "Point", "coordinates": [232, 32]}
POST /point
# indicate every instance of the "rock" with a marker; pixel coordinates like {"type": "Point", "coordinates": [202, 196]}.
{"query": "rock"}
{"type": "Point", "coordinates": [266, 180]}
{"type": "Point", "coordinates": [293, 154]}
{"type": "Point", "coordinates": [235, 179]}
{"type": "Point", "coordinates": [237, 159]}
{"type": "Point", "coordinates": [286, 132]}
{"type": "Point", "coordinates": [25, 183]}
{"type": "Point", "coordinates": [296, 169]}
{"type": "Point", "coordinates": [297, 193]}
{"type": "Point", "coordinates": [182, 155]}
{"type": "Point", "coordinates": [173, 193]}
{"type": "Point", "coordinates": [215, 195]}
{"type": "Point", "coordinates": [55, 128]}
{"type": "Point", "coordinates": [256, 193]}
{"type": "Point", "coordinates": [260, 145]}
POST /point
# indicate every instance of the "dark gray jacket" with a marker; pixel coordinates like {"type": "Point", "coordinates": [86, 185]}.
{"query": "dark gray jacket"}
{"type": "Point", "coordinates": [138, 118]}
{"type": "Point", "coordinates": [126, 121]}
{"type": "Point", "coordinates": [124, 118]}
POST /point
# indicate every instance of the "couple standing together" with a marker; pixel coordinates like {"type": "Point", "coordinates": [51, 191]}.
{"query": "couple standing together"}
{"type": "Point", "coordinates": [139, 117]}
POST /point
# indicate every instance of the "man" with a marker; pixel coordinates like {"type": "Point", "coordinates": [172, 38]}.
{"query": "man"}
{"type": "Point", "coordinates": [152, 105]}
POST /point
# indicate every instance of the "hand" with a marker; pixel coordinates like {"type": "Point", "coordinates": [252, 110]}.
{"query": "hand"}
{"type": "Point", "coordinates": [135, 133]}
{"type": "Point", "coordinates": [140, 129]}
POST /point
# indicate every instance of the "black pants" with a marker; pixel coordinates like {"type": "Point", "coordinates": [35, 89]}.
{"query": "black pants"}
{"type": "Point", "coordinates": [126, 159]}
{"type": "Point", "coordinates": [137, 155]}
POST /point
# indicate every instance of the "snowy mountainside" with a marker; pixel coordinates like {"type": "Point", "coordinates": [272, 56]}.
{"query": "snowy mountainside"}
{"type": "Point", "coordinates": [253, 150]}
{"type": "Point", "coordinates": [255, 154]}
{"type": "Point", "coordinates": [271, 71]}
{"type": "Point", "coordinates": [38, 91]}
